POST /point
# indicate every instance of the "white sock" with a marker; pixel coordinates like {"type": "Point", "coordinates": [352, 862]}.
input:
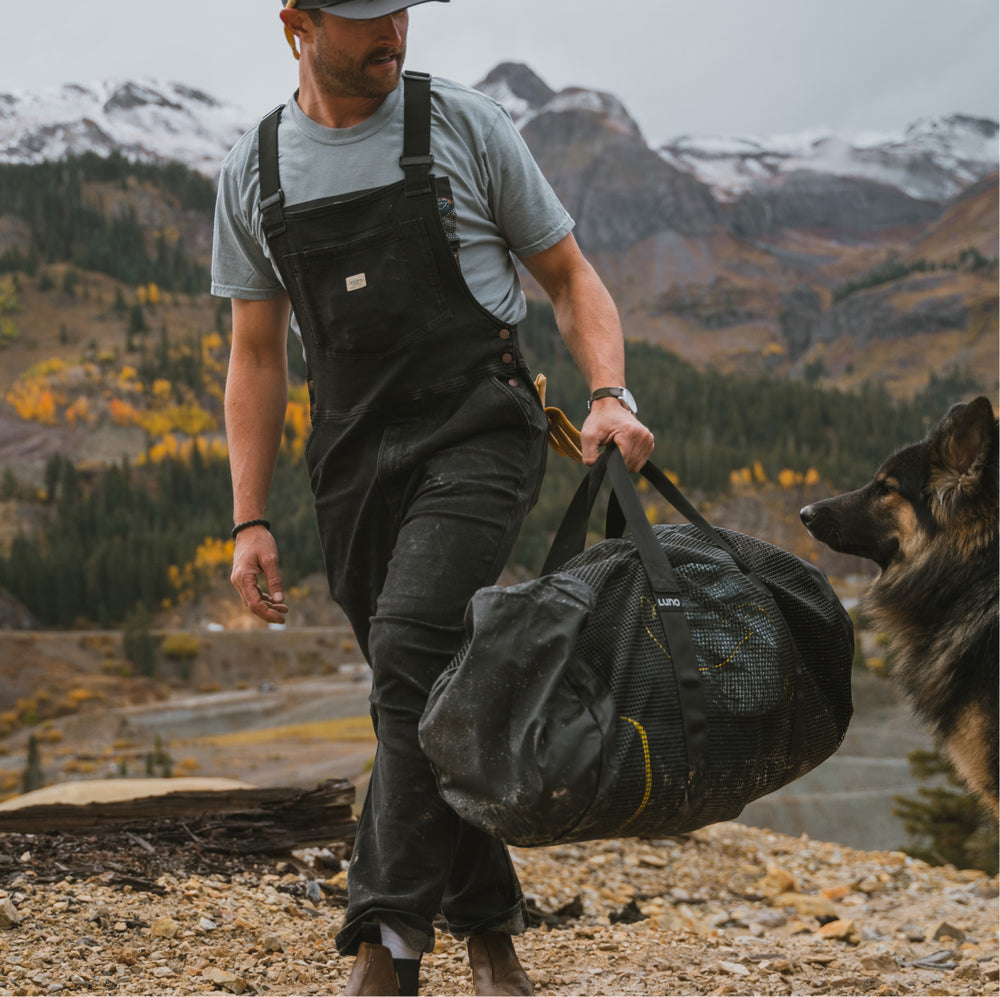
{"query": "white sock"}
{"type": "Point", "coordinates": [399, 949]}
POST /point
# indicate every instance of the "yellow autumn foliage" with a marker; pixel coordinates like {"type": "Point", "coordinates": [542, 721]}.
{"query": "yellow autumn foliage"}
{"type": "Point", "coordinates": [78, 411]}
{"type": "Point", "coordinates": [213, 557]}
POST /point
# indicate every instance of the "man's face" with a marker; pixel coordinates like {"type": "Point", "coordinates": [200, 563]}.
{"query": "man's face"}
{"type": "Point", "coordinates": [361, 58]}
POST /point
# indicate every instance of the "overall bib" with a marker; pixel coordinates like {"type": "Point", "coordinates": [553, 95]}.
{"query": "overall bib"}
{"type": "Point", "coordinates": [427, 449]}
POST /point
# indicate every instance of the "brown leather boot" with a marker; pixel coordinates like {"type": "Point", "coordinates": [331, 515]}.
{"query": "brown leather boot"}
{"type": "Point", "coordinates": [495, 969]}
{"type": "Point", "coordinates": [373, 973]}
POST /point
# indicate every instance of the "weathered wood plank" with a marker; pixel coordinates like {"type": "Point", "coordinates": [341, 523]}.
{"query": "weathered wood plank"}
{"type": "Point", "coordinates": [244, 820]}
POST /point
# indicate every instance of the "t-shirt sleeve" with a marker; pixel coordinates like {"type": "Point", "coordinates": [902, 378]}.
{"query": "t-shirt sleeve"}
{"type": "Point", "coordinates": [527, 211]}
{"type": "Point", "coordinates": [240, 268]}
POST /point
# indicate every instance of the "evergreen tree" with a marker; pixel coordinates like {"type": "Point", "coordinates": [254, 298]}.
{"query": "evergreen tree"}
{"type": "Point", "coordinates": [946, 825]}
{"type": "Point", "coordinates": [33, 777]}
{"type": "Point", "coordinates": [138, 643]}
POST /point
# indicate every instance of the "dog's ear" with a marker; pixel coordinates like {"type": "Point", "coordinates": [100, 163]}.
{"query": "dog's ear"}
{"type": "Point", "coordinates": [965, 436]}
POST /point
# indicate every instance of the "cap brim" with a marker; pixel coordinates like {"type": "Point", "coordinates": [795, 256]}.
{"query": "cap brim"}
{"type": "Point", "coordinates": [364, 10]}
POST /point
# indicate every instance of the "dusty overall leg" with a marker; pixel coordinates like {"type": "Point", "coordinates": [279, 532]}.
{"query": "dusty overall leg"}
{"type": "Point", "coordinates": [461, 486]}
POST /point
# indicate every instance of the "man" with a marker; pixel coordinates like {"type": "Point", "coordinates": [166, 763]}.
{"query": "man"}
{"type": "Point", "coordinates": [381, 213]}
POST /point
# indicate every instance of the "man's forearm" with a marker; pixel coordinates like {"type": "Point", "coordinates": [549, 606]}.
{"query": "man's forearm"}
{"type": "Point", "coordinates": [256, 401]}
{"type": "Point", "coordinates": [585, 313]}
{"type": "Point", "coordinates": [589, 326]}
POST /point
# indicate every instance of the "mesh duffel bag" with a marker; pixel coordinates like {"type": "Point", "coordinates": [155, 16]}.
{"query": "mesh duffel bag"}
{"type": "Point", "coordinates": [650, 685]}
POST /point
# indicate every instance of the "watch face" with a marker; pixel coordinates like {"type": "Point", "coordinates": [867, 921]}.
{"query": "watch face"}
{"type": "Point", "coordinates": [628, 401]}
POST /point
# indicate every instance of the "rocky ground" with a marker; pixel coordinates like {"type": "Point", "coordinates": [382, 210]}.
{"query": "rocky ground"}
{"type": "Point", "coordinates": [727, 910]}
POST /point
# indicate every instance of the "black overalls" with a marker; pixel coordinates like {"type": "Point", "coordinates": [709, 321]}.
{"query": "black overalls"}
{"type": "Point", "coordinates": [427, 449]}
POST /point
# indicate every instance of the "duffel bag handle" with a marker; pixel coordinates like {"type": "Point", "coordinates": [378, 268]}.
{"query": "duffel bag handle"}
{"type": "Point", "coordinates": [615, 520]}
{"type": "Point", "coordinates": [571, 539]}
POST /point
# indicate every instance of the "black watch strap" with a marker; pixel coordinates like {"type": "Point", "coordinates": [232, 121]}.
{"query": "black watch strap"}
{"type": "Point", "coordinates": [623, 395]}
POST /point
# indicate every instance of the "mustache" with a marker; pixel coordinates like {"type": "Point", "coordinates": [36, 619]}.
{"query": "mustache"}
{"type": "Point", "coordinates": [387, 53]}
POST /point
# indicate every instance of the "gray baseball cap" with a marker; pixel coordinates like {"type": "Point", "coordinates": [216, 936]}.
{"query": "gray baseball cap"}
{"type": "Point", "coordinates": [359, 10]}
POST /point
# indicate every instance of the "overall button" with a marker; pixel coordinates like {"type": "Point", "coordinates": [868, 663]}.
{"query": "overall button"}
{"type": "Point", "coordinates": [505, 333]}
{"type": "Point", "coordinates": [513, 382]}
{"type": "Point", "coordinates": [507, 357]}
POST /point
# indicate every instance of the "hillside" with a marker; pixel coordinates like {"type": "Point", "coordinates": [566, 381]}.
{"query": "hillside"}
{"type": "Point", "coordinates": [731, 252]}
{"type": "Point", "coordinates": [729, 910]}
{"type": "Point", "coordinates": [728, 251]}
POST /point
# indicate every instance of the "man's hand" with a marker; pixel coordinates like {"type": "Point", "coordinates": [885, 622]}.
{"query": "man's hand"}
{"type": "Point", "coordinates": [589, 325]}
{"type": "Point", "coordinates": [610, 422]}
{"type": "Point", "coordinates": [256, 554]}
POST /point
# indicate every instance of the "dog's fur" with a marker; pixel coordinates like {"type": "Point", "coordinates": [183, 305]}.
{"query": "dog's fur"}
{"type": "Point", "coordinates": [928, 519]}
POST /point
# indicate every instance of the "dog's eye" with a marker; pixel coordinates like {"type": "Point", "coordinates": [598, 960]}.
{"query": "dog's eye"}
{"type": "Point", "coordinates": [886, 487]}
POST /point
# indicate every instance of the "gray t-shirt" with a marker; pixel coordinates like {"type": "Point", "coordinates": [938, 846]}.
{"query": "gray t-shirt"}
{"type": "Point", "coordinates": [503, 203]}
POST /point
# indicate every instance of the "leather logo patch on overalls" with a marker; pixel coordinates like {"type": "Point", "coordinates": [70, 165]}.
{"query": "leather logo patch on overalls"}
{"type": "Point", "coordinates": [357, 282]}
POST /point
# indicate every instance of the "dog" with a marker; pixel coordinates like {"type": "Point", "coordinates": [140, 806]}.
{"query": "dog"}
{"type": "Point", "coordinates": [928, 519]}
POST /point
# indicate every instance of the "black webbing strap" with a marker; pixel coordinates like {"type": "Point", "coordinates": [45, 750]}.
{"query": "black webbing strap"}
{"type": "Point", "coordinates": [416, 161]}
{"type": "Point", "coordinates": [272, 198]}
{"type": "Point", "coordinates": [571, 537]}
{"type": "Point", "coordinates": [570, 540]}
{"type": "Point", "coordinates": [675, 630]}
{"type": "Point", "coordinates": [615, 521]}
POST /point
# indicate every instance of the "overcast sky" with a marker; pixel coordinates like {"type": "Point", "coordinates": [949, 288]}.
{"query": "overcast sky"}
{"type": "Point", "coordinates": [707, 67]}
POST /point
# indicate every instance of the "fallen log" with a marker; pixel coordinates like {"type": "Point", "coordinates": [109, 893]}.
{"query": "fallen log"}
{"type": "Point", "coordinates": [243, 821]}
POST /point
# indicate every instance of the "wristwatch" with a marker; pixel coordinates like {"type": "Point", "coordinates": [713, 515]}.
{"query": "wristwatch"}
{"type": "Point", "coordinates": [623, 395]}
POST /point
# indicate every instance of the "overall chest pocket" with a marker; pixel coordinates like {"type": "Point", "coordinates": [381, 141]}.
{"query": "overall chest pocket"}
{"type": "Point", "coordinates": [372, 296]}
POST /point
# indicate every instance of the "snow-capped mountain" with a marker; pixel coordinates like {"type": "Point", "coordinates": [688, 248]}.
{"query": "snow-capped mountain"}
{"type": "Point", "coordinates": [149, 120]}
{"type": "Point", "coordinates": [933, 159]}
{"type": "Point", "coordinates": [526, 96]}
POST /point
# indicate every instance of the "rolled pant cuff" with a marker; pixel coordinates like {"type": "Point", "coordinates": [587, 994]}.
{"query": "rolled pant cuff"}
{"type": "Point", "coordinates": [513, 921]}
{"type": "Point", "coordinates": [365, 928]}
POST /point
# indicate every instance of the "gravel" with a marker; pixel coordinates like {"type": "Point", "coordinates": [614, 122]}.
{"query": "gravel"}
{"type": "Point", "coordinates": [727, 910]}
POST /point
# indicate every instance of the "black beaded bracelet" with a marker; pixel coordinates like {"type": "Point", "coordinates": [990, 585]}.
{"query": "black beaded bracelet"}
{"type": "Point", "coordinates": [250, 522]}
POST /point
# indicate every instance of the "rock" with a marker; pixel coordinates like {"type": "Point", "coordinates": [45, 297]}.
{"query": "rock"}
{"type": "Point", "coordinates": [968, 970]}
{"type": "Point", "coordinates": [767, 917]}
{"type": "Point", "coordinates": [734, 968]}
{"type": "Point", "coordinates": [946, 930]}
{"type": "Point", "coordinates": [272, 943]}
{"type": "Point", "coordinates": [868, 885]}
{"type": "Point", "coordinates": [882, 962]}
{"type": "Point", "coordinates": [9, 917]}
{"type": "Point", "coordinates": [776, 882]}
{"type": "Point", "coordinates": [206, 924]}
{"type": "Point", "coordinates": [806, 905]}
{"type": "Point", "coordinates": [164, 927]}
{"type": "Point", "coordinates": [654, 860]}
{"type": "Point", "coordinates": [223, 978]}
{"type": "Point", "coordinates": [782, 966]}
{"type": "Point", "coordinates": [842, 929]}
{"type": "Point", "coordinates": [834, 892]}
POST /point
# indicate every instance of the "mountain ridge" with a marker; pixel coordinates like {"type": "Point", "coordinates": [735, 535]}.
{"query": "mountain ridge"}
{"type": "Point", "coordinates": [745, 274]}
{"type": "Point", "coordinates": [932, 158]}
{"type": "Point", "coordinates": [149, 118]}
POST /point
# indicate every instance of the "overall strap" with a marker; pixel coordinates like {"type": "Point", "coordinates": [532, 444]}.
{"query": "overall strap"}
{"type": "Point", "coordinates": [416, 161]}
{"type": "Point", "coordinates": [272, 197]}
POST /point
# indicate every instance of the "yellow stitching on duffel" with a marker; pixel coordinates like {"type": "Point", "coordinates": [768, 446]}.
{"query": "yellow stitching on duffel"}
{"type": "Point", "coordinates": [649, 768]}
